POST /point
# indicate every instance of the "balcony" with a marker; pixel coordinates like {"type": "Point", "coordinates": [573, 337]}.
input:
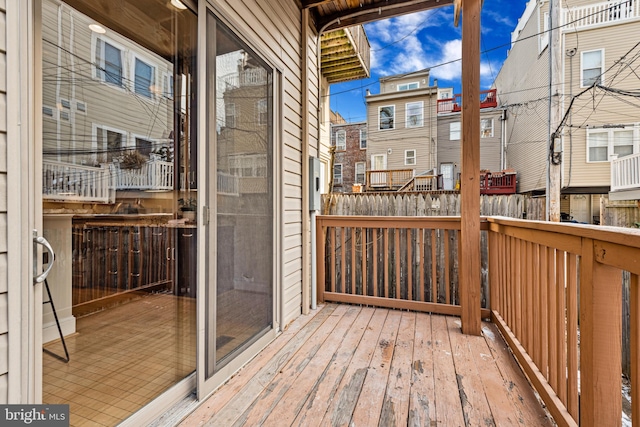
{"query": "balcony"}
{"type": "Point", "coordinates": [497, 183]}
{"type": "Point", "coordinates": [392, 179]}
{"type": "Point", "coordinates": [625, 178]}
{"type": "Point", "coordinates": [345, 55]}
{"type": "Point", "coordinates": [154, 175]}
{"type": "Point", "coordinates": [71, 182]}
{"type": "Point", "coordinates": [488, 99]}
{"type": "Point", "coordinates": [601, 14]}
{"type": "Point", "coordinates": [385, 347]}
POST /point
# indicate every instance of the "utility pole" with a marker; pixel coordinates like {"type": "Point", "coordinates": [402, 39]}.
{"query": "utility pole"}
{"type": "Point", "coordinates": [554, 154]}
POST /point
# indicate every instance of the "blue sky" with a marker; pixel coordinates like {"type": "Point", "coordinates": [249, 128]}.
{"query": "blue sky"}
{"type": "Point", "coordinates": [428, 40]}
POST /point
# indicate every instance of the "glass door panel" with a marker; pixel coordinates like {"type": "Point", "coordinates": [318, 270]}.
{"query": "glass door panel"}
{"type": "Point", "coordinates": [241, 297]}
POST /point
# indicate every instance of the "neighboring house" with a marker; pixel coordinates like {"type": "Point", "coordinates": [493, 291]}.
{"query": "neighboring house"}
{"type": "Point", "coordinates": [449, 143]}
{"type": "Point", "coordinates": [188, 278]}
{"type": "Point", "coordinates": [402, 124]}
{"type": "Point", "coordinates": [350, 162]}
{"type": "Point", "coordinates": [598, 46]}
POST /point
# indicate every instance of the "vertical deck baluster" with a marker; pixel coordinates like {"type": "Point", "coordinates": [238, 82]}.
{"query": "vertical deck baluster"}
{"type": "Point", "coordinates": [553, 321]}
{"type": "Point", "coordinates": [519, 288]}
{"type": "Point", "coordinates": [572, 337]}
{"type": "Point", "coordinates": [397, 258]}
{"type": "Point", "coordinates": [333, 253]}
{"type": "Point", "coordinates": [544, 317]}
{"type": "Point", "coordinates": [385, 233]}
{"type": "Point", "coordinates": [561, 359]}
{"type": "Point", "coordinates": [352, 287]}
{"type": "Point", "coordinates": [343, 260]}
{"type": "Point", "coordinates": [374, 257]}
{"type": "Point", "coordinates": [363, 254]}
{"type": "Point", "coordinates": [321, 253]}
{"type": "Point", "coordinates": [535, 303]}
{"type": "Point", "coordinates": [409, 265]}
{"type": "Point", "coordinates": [434, 268]}
{"type": "Point", "coordinates": [447, 287]}
{"type": "Point", "coordinates": [421, 251]}
{"type": "Point", "coordinates": [529, 293]}
{"type": "Point", "coordinates": [634, 309]}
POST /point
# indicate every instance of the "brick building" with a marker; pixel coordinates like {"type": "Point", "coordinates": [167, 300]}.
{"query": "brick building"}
{"type": "Point", "coordinates": [350, 164]}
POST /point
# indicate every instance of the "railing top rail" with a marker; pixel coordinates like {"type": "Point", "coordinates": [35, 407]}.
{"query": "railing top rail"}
{"type": "Point", "coordinates": [621, 236]}
{"type": "Point", "coordinates": [441, 222]}
{"type": "Point", "coordinates": [71, 165]}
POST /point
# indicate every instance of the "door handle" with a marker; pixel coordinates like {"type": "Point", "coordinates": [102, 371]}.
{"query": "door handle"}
{"type": "Point", "coordinates": [39, 240]}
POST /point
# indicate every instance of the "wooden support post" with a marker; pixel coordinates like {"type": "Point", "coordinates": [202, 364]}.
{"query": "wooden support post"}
{"type": "Point", "coordinates": [470, 188]}
{"type": "Point", "coordinates": [600, 341]}
{"type": "Point", "coordinates": [634, 308]}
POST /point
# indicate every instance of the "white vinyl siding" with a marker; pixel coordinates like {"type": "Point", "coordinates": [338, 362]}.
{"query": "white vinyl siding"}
{"type": "Point", "coordinates": [7, 41]}
{"type": "Point", "coordinates": [341, 140]}
{"type": "Point", "coordinates": [414, 114]}
{"type": "Point", "coordinates": [386, 117]}
{"type": "Point", "coordinates": [591, 67]}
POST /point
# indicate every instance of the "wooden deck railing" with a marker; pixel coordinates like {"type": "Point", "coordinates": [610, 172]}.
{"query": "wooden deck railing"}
{"type": "Point", "coordinates": [600, 14]}
{"type": "Point", "coordinates": [394, 262]}
{"type": "Point", "coordinates": [388, 179]}
{"type": "Point", "coordinates": [153, 175]}
{"type": "Point", "coordinates": [556, 296]}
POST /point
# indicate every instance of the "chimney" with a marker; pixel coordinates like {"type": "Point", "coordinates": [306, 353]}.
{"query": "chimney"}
{"type": "Point", "coordinates": [368, 92]}
{"type": "Point", "coordinates": [435, 82]}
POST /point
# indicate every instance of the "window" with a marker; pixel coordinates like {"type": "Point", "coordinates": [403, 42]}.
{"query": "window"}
{"type": "Point", "coordinates": [363, 139]}
{"type": "Point", "coordinates": [48, 112]}
{"type": "Point", "coordinates": [409, 157]}
{"type": "Point", "coordinates": [261, 112]}
{"type": "Point", "coordinates": [591, 68]}
{"type": "Point", "coordinates": [143, 77]}
{"type": "Point", "coordinates": [167, 86]}
{"type": "Point", "coordinates": [378, 162]}
{"type": "Point", "coordinates": [408, 86]}
{"type": "Point", "coordinates": [248, 165]}
{"type": "Point", "coordinates": [454, 131]}
{"type": "Point", "coordinates": [65, 103]}
{"type": "Point", "coordinates": [360, 172]}
{"type": "Point", "coordinates": [544, 34]}
{"type": "Point", "coordinates": [603, 143]}
{"type": "Point", "coordinates": [486, 128]}
{"type": "Point", "coordinates": [341, 140]}
{"type": "Point", "coordinates": [108, 62]}
{"type": "Point", "coordinates": [110, 144]}
{"type": "Point", "coordinates": [64, 115]}
{"type": "Point", "coordinates": [414, 114]}
{"type": "Point", "coordinates": [337, 173]}
{"type": "Point", "coordinates": [81, 107]}
{"type": "Point", "coordinates": [230, 115]}
{"type": "Point", "coordinates": [143, 146]}
{"type": "Point", "coordinates": [445, 94]}
{"type": "Point", "coordinates": [386, 117]}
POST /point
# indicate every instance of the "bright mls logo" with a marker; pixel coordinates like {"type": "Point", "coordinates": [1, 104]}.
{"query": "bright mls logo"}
{"type": "Point", "coordinates": [34, 415]}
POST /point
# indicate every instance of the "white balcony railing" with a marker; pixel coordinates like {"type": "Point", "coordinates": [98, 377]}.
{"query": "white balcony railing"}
{"type": "Point", "coordinates": [65, 181]}
{"type": "Point", "coordinates": [228, 184]}
{"type": "Point", "coordinates": [625, 173]}
{"type": "Point", "coordinates": [153, 175]}
{"type": "Point", "coordinates": [600, 14]}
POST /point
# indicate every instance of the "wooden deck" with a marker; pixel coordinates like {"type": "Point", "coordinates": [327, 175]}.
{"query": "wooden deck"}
{"type": "Point", "coordinates": [362, 366]}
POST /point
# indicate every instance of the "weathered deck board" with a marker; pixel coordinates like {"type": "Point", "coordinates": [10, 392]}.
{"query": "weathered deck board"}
{"type": "Point", "coordinates": [352, 365]}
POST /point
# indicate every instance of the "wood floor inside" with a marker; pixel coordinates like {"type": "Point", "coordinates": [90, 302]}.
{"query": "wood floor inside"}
{"type": "Point", "coordinates": [349, 365]}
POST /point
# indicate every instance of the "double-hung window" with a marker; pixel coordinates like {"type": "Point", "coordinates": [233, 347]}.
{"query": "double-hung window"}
{"type": "Point", "coordinates": [409, 157]}
{"type": "Point", "coordinates": [386, 117]}
{"type": "Point", "coordinates": [144, 76]}
{"type": "Point", "coordinates": [486, 128]}
{"type": "Point", "coordinates": [337, 173]}
{"type": "Point", "coordinates": [360, 172]}
{"type": "Point", "coordinates": [341, 140]}
{"type": "Point", "coordinates": [363, 139]}
{"type": "Point", "coordinates": [414, 114]}
{"type": "Point", "coordinates": [591, 67]}
{"type": "Point", "coordinates": [408, 86]}
{"type": "Point", "coordinates": [108, 62]}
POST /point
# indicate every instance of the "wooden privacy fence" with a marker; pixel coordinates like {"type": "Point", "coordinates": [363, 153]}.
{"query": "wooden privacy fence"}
{"type": "Point", "coordinates": [423, 204]}
{"type": "Point", "coordinates": [546, 276]}
{"type": "Point", "coordinates": [395, 262]}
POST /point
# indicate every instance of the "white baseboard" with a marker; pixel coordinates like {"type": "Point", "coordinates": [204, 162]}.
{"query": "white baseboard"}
{"type": "Point", "coordinates": [50, 330]}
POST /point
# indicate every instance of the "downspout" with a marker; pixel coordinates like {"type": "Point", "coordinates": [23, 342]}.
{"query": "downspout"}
{"type": "Point", "coordinates": [503, 142]}
{"type": "Point", "coordinates": [305, 161]}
